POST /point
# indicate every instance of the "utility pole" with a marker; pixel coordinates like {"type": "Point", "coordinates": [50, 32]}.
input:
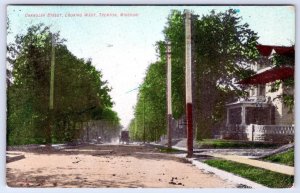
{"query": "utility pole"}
{"type": "Point", "coordinates": [51, 97]}
{"type": "Point", "coordinates": [169, 94]}
{"type": "Point", "coordinates": [144, 134]}
{"type": "Point", "coordinates": [135, 127]}
{"type": "Point", "coordinates": [188, 83]}
{"type": "Point", "coordinates": [52, 73]}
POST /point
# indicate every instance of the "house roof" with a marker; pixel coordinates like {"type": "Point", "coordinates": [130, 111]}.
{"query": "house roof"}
{"type": "Point", "coordinates": [277, 73]}
{"type": "Point", "coordinates": [266, 50]}
{"type": "Point", "coordinates": [271, 75]}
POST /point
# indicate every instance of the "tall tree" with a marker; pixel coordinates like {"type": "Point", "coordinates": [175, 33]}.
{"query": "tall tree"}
{"type": "Point", "coordinates": [223, 48]}
{"type": "Point", "coordinates": [80, 94]}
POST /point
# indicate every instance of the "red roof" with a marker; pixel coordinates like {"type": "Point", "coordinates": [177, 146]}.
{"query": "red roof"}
{"type": "Point", "coordinates": [266, 50]}
{"type": "Point", "coordinates": [269, 76]}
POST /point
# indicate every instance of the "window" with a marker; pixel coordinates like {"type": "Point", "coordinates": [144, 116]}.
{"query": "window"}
{"type": "Point", "coordinates": [261, 90]}
{"type": "Point", "coordinates": [252, 92]}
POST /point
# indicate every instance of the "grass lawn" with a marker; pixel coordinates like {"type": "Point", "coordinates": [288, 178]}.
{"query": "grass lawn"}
{"type": "Point", "coordinates": [286, 158]}
{"type": "Point", "coordinates": [258, 175]}
{"type": "Point", "coordinates": [168, 150]}
{"type": "Point", "coordinates": [221, 143]}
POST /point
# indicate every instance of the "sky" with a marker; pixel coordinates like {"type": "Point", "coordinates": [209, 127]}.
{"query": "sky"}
{"type": "Point", "coordinates": [122, 47]}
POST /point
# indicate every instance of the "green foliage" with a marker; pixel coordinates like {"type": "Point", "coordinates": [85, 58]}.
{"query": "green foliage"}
{"type": "Point", "coordinates": [168, 150]}
{"type": "Point", "coordinates": [289, 84]}
{"type": "Point", "coordinates": [261, 176]}
{"type": "Point", "coordinates": [217, 143]}
{"type": "Point", "coordinates": [222, 51]}
{"type": "Point", "coordinates": [286, 158]}
{"type": "Point", "coordinates": [287, 97]}
{"type": "Point", "coordinates": [288, 101]}
{"type": "Point", "coordinates": [80, 94]}
{"type": "Point", "coordinates": [175, 33]}
{"type": "Point", "coordinates": [283, 60]}
{"type": "Point", "coordinates": [275, 86]}
{"type": "Point", "coordinates": [150, 109]}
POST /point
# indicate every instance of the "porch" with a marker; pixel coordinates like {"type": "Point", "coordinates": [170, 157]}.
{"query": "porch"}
{"type": "Point", "coordinates": [250, 111]}
{"type": "Point", "coordinates": [254, 120]}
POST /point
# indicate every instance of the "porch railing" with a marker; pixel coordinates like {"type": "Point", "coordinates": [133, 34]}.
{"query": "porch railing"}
{"type": "Point", "coordinates": [253, 132]}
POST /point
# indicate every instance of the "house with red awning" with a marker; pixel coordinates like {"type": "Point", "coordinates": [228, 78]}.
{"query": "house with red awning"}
{"type": "Point", "coordinates": [262, 115]}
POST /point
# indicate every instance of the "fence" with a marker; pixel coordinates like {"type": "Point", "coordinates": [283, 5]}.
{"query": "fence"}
{"type": "Point", "coordinates": [253, 132]}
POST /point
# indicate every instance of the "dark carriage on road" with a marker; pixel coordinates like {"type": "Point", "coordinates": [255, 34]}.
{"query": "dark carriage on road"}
{"type": "Point", "coordinates": [124, 138]}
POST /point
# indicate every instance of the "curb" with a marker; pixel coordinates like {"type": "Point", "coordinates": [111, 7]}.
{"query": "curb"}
{"type": "Point", "coordinates": [223, 174]}
{"type": "Point", "coordinates": [14, 158]}
{"type": "Point", "coordinates": [226, 175]}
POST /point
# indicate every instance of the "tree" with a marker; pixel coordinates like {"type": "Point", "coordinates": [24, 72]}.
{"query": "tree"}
{"type": "Point", "coordinates": [288, 96]}
{"type": "Point", "coordinates": [80, 94]}
{"type": "Point", "coordinates": [30, 80]}
{"type": "Point", "coordinates": [223, 49]}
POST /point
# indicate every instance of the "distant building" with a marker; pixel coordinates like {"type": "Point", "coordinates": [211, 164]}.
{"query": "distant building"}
{"type": "Point", "coordinates": [262, 116]}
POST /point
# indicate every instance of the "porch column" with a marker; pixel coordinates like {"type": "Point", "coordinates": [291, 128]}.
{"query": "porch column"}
{"type": "Point", "coordinates": [243, 114]}
{"type": "Point", "coordinates": [270, 121]}
{"type": "Point", "coordinates": [227, 120]}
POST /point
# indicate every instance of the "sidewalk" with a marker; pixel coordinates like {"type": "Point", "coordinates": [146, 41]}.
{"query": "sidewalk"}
{"type": "Point", "coordinates": [288, 170]}
{"type": "Point", "coordinates": [13, 156]}
{"type": "Point", "coordinates": [283, 169]}
{"type": "Point", "coordinates": [237, 155]}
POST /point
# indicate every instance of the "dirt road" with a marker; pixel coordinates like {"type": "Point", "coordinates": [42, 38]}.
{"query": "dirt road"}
{"type": "Point", "coordinates": [108, 166]}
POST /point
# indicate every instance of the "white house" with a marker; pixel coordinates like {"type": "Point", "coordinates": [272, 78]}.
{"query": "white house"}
{"type": "Point", "coordinates": [262, 116]}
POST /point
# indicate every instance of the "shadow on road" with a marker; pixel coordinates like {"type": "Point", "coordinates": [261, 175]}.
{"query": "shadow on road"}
{"type": "Point", "coordinates": [137, 151]}
{"type": "Point", "coordinates": [75, 180]}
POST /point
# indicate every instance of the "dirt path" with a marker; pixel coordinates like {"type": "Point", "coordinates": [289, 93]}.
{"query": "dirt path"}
{"type": "Point", "coordinates": [108, 166]}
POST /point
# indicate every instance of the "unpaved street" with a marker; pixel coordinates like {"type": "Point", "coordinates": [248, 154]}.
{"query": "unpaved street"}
{"type": "Point", "coordinates": [104, 166]}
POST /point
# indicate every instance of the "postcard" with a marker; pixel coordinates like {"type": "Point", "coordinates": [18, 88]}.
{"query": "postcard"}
{"type": "Point", "coordinates": [150, 96]}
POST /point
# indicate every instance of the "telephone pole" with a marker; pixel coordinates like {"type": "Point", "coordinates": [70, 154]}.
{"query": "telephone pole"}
{"type": "Point", "coordinates": [188, 83]}
{"type": "Point", "coordinates": [135, 127]}
{"type": "Point", "coordinates": [169, 95]}
{"type": "Point", "coordinates": [52, 73]}
{"type": "Point", "coordinates": [51, 97]}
